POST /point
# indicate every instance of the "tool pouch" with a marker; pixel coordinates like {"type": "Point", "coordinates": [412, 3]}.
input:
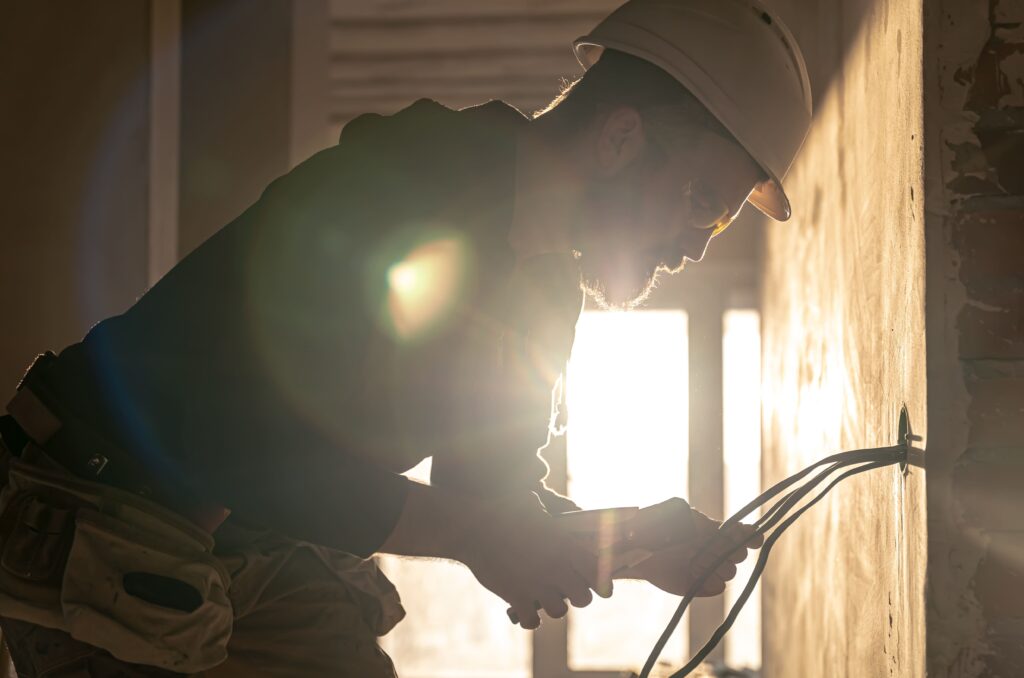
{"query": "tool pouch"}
{"type": "Point", "coordinates": [113, 570]}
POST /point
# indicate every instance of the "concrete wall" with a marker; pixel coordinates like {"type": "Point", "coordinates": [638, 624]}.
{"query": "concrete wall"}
{"type": "Point", "coordinates": [844, 328]}
{"type": "Point", "coordinates": [73, 209]}
{"type": "Point", "coordinates": [974, 150]}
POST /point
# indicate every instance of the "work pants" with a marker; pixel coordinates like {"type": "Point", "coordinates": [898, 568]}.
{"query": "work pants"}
{"type": "Point", "coordinates": [300, 610]}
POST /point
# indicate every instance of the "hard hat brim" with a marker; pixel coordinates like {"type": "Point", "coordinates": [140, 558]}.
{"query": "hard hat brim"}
{"type": "Point", "coordinates": [768, 196]}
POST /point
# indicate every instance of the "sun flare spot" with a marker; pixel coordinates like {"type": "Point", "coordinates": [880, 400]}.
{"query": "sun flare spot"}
{"type": "Point", "coordinates": [424, 286]}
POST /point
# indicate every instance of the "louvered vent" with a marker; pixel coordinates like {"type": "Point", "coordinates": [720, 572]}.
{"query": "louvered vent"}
{"type": "Point", "coordinates": [385, 54]}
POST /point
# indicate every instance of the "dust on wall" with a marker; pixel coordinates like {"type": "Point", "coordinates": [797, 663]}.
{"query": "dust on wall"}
{"type": "Point", "coordinates": [844, 329]}
{"type": "Point", "coordinates": [974, 151]}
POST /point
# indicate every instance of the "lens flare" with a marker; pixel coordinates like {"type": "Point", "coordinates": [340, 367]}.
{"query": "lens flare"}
{"type": "Point", "coordinates": [424, 286]}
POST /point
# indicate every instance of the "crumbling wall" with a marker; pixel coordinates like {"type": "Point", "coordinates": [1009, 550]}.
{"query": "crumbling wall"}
{"type": "Point", "coordinates": [974, 150]}
{"type": "Point", "coordinates": [844, 348]}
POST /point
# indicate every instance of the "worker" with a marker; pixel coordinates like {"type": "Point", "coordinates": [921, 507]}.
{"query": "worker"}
{"type": "Point", "coordinates": [198, 485]}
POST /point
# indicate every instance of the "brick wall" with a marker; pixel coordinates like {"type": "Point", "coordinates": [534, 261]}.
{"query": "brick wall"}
{"type": "Point", "coordinates": [974, 154]}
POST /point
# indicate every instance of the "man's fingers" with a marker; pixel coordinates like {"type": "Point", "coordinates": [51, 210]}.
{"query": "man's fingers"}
{"type": "Point", "coordinates": [580, 596]}
{"type": "Point", "coordinates": [553, 604]}
{"type": "Point", "coordinates": [726, 571]}
{"type": "Point", "coordinates": [733, 543]}
{"type": "Point", "coordinates": [572, 585]}
{"type": "Point", "coordinates": [727, 548]}
{"type": "Point", "coordinates": [710, 558]}
{"type": "Point", "coordinates": [585, 564]}
{"type": "Point", "coordinates": [738, 554]}
{"type": "Point", "coordinates": [712, 586]}
{"type": "Point", "coordinates": [748, 536]}
{"type": "Point", "coordinates": [526, 612]}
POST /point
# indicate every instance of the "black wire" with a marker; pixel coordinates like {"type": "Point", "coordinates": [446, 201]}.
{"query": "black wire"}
{"type": "Point", "coordinates": [851, 457]}
{"type": "Point", "coordinates": [885, 456]}
{"type": "Point", "coordinates": [770, 517]}
{"type": "Point", "coordinates": [845, 458]}
{"type": "Point", "coordinates": [762, 561]}
{"type": "Point", "coordinates": [786, 504]}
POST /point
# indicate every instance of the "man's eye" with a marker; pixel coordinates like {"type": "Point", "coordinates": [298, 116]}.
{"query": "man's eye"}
{"type": "Point", "coordinates": [702, 200]}
{"type": "Point", "coordinates": [708, 212]}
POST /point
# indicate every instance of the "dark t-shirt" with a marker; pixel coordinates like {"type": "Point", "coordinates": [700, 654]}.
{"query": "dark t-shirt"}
{"type": "Point", "coordinates": [364, 314]}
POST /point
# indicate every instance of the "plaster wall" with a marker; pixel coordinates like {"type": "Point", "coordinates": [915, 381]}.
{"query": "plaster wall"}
{"type": "Point", "coordinates": [844, 347]}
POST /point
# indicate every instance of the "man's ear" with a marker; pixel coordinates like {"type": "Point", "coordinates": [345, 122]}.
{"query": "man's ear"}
{"type": "Point", "coordinates": [621, 140]}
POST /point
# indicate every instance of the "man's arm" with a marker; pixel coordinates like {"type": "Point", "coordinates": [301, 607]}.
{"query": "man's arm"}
{"type": "Point", "coordinates": [513, 547]}
{"type": "Point", "coordinates": [433, 524]}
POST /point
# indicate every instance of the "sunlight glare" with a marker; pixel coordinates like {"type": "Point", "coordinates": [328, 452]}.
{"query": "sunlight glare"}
{"type": "Point", "coordinates": [454, 628]}
{"type": "Point", "coordinates": [627, 446]}
{"type": "Point", "coordinates": [741, 450]}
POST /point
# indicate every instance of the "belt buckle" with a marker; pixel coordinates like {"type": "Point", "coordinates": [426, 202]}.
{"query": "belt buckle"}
{"type": "Point", "coordinates": [96, 463]}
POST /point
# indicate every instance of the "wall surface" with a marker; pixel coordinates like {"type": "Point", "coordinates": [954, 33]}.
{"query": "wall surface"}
{"type": "Point", "coordinates": [235, 109]}
{"type": "Point", "coordinates": [74, 130]}
{"type": "Point", "coordinates": [844, 327]}
{"type": "Point", "coordinates": [974, 150]}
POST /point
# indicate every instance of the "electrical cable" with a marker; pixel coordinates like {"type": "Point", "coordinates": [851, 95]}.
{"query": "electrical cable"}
{"type": "Point", "coordinates": [891, 455]}
{"type": "Point", "coordinates": [786, 504]}
{"type": "Point", "coordinates": [862, 460]}
{"type": "Point", "coordinates": [775, 489]}
{"type": "Point", "coordinates": [762, 561]}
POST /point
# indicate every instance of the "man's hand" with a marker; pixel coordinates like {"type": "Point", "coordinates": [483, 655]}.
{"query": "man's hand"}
{"type": "Point", "coordinates": [513, 547]}
{"type": "Point", "coordinates": [524, 557]}
{"type": "Point", "coordinates": [686, 544]}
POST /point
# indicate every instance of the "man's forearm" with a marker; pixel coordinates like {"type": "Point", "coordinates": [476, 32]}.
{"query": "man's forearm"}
{"type": "Point", "coordinates": [434, 523]}
{"type": "Point", "coordinates": [553, 501]}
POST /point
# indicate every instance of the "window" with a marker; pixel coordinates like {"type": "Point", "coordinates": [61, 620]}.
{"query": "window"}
{"type": "Point", "coordinates": [627, 441]}
{"type": "Point", "coordinates": [741, 452]}
{"type": "Point", "coordinates": [454, 628]}
{"type": "Point", "coordinates": [630, 395]}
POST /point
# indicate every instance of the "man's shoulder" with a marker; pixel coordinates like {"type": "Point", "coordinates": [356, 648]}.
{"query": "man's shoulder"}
{"type": "Point", "coordinates": [429, 116]}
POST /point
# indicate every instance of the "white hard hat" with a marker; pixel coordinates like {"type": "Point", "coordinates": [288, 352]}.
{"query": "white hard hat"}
{"type": "Point", "coordinates": [738, 59]}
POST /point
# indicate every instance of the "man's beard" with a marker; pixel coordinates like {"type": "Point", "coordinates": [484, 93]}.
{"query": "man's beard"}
{"type": "Point", "coordinates": [615, 273]}
{"type": "Point", "coordinates": [617, 284]}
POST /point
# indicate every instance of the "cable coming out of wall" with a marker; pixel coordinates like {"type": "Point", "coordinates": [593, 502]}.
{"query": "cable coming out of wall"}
{"type": "Point", "coordinates": [782, 514]}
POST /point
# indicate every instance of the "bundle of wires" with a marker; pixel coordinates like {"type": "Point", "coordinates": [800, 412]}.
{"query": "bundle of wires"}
{"type": "Point", "coordinates": [771, 525]}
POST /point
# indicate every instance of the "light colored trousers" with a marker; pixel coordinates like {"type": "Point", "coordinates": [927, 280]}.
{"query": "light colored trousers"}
{"type": "Point", "coordinates": [303, 610]}
{"type": "Point", "coordinates": [299, 610]}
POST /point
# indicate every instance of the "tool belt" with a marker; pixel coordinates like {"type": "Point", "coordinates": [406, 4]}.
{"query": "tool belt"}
{"type": "Point", "coordinates": [88, 455]}
{"type": "Point", "coordinates": [84, 547]}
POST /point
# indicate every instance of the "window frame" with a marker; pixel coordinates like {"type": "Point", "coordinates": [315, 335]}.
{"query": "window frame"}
{"type": "Point", "coordinates": [705, 297]}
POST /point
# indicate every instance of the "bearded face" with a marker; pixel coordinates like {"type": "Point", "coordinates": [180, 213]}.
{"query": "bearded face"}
{"type": "Point", "coordinates": [657, 214]}
{"type": "Point", "coordinates": [629, 232]}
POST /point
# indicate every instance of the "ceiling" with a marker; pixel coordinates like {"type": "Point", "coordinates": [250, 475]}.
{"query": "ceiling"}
{"type": "Point", "coordinates": [385, 54]}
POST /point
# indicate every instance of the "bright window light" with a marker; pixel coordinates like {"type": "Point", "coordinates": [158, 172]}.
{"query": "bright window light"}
{"type": "Point", "coordinates": [627, 446]}
{"type": "Point", "coordinates": [741, 357]}
{"type": "Point", "coordinates": [454, 628]}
